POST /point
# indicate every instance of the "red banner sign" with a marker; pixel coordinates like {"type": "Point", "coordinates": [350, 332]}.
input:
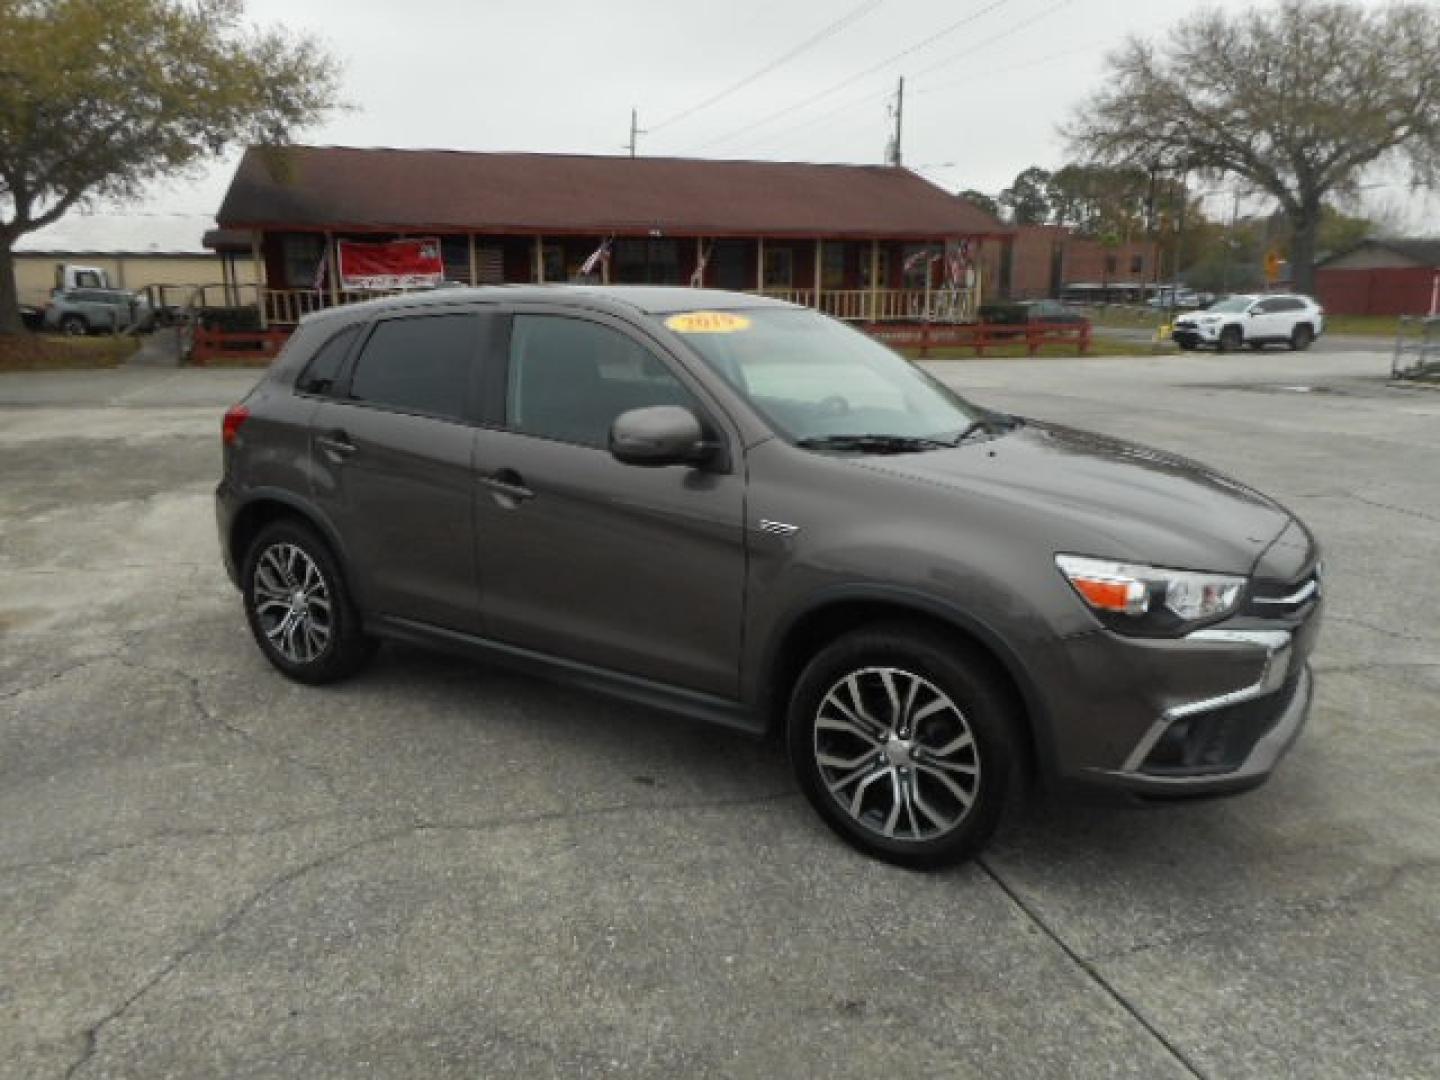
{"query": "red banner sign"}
{"type": "Point", "coordinates": [397, 264]}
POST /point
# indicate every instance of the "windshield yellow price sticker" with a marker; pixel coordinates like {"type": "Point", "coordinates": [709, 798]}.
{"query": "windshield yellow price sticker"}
{"type": "Point", "coordinates": [707, 322]}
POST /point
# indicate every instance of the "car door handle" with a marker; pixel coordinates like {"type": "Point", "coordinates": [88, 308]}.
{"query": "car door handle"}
{"type": "Point", "coordinates": [335, 443]}
{"type": "Point", "coordinates": [507, 486]}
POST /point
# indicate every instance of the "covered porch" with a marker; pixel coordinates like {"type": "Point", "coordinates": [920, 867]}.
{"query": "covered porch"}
{"type": "Point", "coordinates": [874, 280]}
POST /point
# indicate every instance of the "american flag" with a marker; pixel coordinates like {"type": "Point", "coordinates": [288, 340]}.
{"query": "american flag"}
{"type": "Point", "coordinates": [599, 255]}
{"type": "Point", "coordinates": [697, 279]}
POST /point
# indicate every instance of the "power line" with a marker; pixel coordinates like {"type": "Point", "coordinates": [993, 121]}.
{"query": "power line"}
{"type": "Point", "coordinates": [931, 39]}
{"type": "Point", "coordinates": [991, 73]}
{"type": "Point", "coordinates": [828, 31]}
{"type": "Point", "coordinates": [1011, 32]}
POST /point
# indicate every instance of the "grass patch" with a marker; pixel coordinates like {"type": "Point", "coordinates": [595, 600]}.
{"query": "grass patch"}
{"type": "Point", "coordinates": [53, 352]}
{"type": "Point", "coordinates": [1363, 325]}
{"type": "Point", "coordinates": [1126, 318]}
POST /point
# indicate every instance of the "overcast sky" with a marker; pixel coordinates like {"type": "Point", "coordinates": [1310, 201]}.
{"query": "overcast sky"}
{"type": "Point", "coordinates": [987, 81]}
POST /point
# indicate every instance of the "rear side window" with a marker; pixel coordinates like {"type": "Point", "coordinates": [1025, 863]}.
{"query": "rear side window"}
{"type": "Point", "coordinates": [419, 365]}
{"type": "Point", "coordinates": [323, 370]}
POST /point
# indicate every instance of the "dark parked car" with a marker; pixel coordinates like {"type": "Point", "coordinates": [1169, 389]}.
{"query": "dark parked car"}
{"type": "Point", "coordinates": [746, 512]}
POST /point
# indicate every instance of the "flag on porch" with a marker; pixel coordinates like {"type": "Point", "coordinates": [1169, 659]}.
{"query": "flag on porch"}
{"type": "Point", "coordinates": [697, 279]}
{"type": "Point", "coordinates": [599, 255]}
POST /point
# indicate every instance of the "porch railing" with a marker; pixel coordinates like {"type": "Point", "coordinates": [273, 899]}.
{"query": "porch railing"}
{"type": "Point", "coordinates": [887, 305]}
{"type": "Point", "coordinates": [285, 307]}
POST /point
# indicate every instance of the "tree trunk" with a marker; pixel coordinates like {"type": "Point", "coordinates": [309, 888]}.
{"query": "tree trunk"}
{"type": "Point", "coordinates": [1306, 226]}
{"type": "Point", "coordinates": [10, 322]}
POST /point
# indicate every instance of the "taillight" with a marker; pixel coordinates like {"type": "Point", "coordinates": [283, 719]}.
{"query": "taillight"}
{"type": "Point", "coordinates": [235, 416]}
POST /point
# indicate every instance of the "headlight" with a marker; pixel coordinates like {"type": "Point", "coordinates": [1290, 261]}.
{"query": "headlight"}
{"type": "Point", "coordinates": [1211, 320]}
{"type": "Point", "coordinates": [1149, 600]}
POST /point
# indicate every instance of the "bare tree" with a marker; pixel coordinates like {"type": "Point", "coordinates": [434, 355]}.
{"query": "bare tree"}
{"type": "Point", "coordinates": [1297, 99]}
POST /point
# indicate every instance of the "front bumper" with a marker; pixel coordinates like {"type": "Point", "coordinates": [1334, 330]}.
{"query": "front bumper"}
{"type": "Point", "coordinates": [1207, 714]}
{"type": "Point", "coordinates": [1195, 335]}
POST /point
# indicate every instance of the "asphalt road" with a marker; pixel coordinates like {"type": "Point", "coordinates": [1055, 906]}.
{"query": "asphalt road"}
{"type": "Point", "coordinates": [444, 870]}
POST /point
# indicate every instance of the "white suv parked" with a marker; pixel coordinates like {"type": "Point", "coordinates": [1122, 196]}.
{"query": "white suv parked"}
{"type": "Point", "coordinates": [1257, 321]}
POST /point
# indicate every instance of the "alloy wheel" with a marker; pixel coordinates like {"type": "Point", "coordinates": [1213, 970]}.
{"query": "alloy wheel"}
{"type": "Point", "coordinates": [292, 603]}
{"type": "Point", "coordinates": [896, 754]}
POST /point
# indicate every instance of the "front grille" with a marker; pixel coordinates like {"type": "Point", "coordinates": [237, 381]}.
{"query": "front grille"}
{"type": "Point", "coordinates": [1281, 599]}
{"type": "Point", "coordinates": [1220, 740]}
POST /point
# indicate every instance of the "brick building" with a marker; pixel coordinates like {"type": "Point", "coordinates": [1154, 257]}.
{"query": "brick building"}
{"type": "Point", "coordinates": [1043, 260]}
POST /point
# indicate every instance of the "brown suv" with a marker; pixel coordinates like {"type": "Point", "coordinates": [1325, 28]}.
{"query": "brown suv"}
{"type": "Point", "coordinates": [743, 511]}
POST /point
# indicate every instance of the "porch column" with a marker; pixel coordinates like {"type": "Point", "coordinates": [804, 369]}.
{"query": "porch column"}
{"type": "Point", "coordinates": [819, 272]}
{"type": "Point", "coordinates": [874, 280]}
{"type": "Point", "coordinates": [605, 266]}
{"type": "Point", "coordinates": [258, 269]}
{"type": "Point", "coordinates": [540, 260]}
{"type": "Point", "coordinates": [759, 264]}
{"type": "Point", "coordinates": [332, 267]}
{"type": "Point", "coordinates": [474, 268]}
{"type": "Point", "coordinates": [699, 277]}
{"type": "Point", "coordinates": [979, 280]}
{"type": "Point", "coordinates": [928, 266]}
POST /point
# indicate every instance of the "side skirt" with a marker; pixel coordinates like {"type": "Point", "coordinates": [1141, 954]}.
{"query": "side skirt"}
{"type": "Point", "coordinates": [663, 697]}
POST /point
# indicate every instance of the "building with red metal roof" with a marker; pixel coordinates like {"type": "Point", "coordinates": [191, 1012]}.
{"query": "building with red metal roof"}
{"type": "Point", "coordinates": [872, 242]}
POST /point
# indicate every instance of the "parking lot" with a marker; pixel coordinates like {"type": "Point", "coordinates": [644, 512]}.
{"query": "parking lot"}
{"type": "Point", "coordinates": [441, 869]}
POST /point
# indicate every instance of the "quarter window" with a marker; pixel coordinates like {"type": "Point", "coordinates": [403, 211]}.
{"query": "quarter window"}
{"type": "Point", "coordinates": [324, 368]}
{"type": "Point", "coordinates": [419, 365]}
{"type": "Point", "coordinates": [570, 378]}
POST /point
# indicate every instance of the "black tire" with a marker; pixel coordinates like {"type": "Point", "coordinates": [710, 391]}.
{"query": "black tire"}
{"type": "Point", "coordinates": [74, 325]}
{"type": "Point", "coordinates": [346, 648]}
{"type": "Point", "coordinates": [1230, 339]}
{"type": "Point", "coordinates": [1257, 346]}
{"type": "Point", "coordinates": [1301, 337]}
{"type": "Point", "coordinates": [1188, 346]}
{"type": "Point", "coordinates": [980, 709]}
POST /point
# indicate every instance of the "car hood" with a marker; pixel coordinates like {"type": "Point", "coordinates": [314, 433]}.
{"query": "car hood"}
{"type": "Point", "coordinates": [1108, 498]}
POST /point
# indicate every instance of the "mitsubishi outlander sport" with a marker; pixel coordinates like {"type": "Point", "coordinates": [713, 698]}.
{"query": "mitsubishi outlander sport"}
{"type": "Point", "coordinates": [745, 512]}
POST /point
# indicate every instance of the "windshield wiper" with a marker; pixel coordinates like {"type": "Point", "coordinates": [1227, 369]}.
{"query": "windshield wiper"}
{"type": "Point", "coordinates": [876, 443]}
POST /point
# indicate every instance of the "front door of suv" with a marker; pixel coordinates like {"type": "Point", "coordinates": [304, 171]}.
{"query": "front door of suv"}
{"type": "Point", "coordinates": [392, 452]}
{"type": "Point", "coordinates": [636, 570]}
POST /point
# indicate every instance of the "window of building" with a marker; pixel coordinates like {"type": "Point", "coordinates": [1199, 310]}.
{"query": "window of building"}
{"type": "Point", "coordinates": [455, 255]}
{"type": "Point", "coordinates": [883, 263]}
{"type": "Point", "coordinates": [324, 368]}
{"type": "Point", "coordinates": [832, 259]}
{"type": "Point", "coordinates": [419, 365]}
{"type": "Point", "coordinates": [1137, 264]}
{"type": "Point", "coordinates": [1110, 264]}
{"type": "Point", "coordinates": [302, 253]}
{"type": "Point", "coordinates": [646, 262]}
{"type": "Point", "coordinates": [570, 378]}
{"type": "Point", "coordinates": [779, 268]}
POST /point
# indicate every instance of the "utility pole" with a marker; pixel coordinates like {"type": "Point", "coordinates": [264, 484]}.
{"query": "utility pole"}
{"type": "Point", "coordinates": [635, 131]}
{"type": "Point", "coordinates": [894, 154]}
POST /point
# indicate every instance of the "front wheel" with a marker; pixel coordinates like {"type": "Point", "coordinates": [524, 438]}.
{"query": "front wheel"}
{"type": "Point", "coordinates": [299, 608]}
{"type": "Point", "coordinates": [74, 325]}
{"type": "Point", "coordinates": [1230, 339]}
{"type": "Point", "coordinates": [903, 741]}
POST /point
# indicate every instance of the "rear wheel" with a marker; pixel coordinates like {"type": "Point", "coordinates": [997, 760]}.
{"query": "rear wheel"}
{"type": "Point", "coordinates": [903, 741]}
{"type": "Point", "coordinates": [1301, 337]}
{"type": "Point", "coordinates": [1230, 339]}
{"type": "Point", "coordinates": [299, 607]}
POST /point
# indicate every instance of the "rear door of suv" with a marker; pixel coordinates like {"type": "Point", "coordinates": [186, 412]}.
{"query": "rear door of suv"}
{"type": "Point", "coordinates": [637, 570]}
{"type": "Point", "coordinates": [392, 446]}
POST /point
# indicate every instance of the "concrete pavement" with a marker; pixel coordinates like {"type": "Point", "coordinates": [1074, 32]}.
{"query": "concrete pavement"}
{"type": "Point", "coordinates": [444, 870]}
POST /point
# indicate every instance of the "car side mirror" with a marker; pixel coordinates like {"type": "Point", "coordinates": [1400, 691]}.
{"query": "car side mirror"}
{"type": "Point", "coordinates": [659, 435]}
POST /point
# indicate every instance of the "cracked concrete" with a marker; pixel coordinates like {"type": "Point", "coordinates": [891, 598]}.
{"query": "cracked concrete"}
{"type": "Point", "coordinates": [441, 869]}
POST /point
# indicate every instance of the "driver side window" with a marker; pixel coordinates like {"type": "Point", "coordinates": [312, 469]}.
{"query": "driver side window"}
{"type": "Point", "coordinates": [569, 379]}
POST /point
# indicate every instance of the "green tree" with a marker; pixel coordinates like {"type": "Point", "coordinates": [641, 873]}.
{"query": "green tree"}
{"type": "Point", "coordinates": [1298, 99]}
{"type": "Point", "coordinates": [1027, 198]}
{"type": "Point", "coordinates": [100, 97]}
{"type": "Point", "coordinates": [985, 202]}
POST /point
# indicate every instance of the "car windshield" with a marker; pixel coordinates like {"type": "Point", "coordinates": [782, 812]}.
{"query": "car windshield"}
{"type": "Point", "coordinates": [1233, 303]}
{"type": "Point", "coordinates": [818, 382]}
